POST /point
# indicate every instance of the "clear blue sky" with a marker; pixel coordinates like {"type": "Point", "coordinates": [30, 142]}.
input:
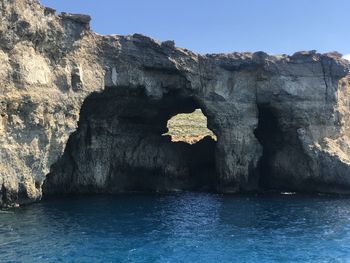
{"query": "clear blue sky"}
{"type": "Point", "coordinates": [208, 26]}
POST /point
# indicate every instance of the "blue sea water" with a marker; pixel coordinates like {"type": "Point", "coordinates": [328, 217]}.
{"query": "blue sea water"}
{"type": "Point", "coordinates": [186, 227]}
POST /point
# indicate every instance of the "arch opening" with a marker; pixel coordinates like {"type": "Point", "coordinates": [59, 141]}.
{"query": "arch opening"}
{"type": "Point", "coordinates": [189, 127]}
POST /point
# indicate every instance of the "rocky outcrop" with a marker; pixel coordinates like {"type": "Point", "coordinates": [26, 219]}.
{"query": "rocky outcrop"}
{"type": "Point", "coordinates": [86, 113]}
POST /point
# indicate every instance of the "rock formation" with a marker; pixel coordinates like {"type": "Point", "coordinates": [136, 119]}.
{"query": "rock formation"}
{"type": "Point", "coordinates": [87, 112]}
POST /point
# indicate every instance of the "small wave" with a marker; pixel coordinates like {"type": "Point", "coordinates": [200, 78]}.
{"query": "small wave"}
{"type": "Point", "coordinates": [7, 243]}
{"type": "Point", "coordinates": [6, 212]}
{"type": "Point", "coordinates": [288, 193]}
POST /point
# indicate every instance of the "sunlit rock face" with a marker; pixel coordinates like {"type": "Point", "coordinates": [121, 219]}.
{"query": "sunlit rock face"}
{"type": "Point", "coordinates": [88, 112]}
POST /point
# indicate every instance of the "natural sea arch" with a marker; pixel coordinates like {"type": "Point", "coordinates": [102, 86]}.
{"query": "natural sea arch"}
{"type": "Point", "coordinates": [122, 145]}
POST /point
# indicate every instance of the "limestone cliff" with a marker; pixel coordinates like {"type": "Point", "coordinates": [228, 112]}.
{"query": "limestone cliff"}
{"type": "Point", "coordinates": [86, 112]}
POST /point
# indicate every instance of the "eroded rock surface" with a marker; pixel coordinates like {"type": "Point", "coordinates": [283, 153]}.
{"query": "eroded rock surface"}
{"type": "Point", "coordinates": [89, 110]}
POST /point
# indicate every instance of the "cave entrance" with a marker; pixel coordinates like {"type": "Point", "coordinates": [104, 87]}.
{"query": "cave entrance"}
{"type": "Point", "coordinates": [187, 129]}
{"type": "Point", "coordinates": [283, 160]}
{"type": "Point", "coordinates": [123, 144]}
{"type": "Point", "coordinates": [271, 138]}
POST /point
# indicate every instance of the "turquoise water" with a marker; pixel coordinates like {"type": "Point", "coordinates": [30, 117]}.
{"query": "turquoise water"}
{"type": "Point", "coordinates": [187, 227]}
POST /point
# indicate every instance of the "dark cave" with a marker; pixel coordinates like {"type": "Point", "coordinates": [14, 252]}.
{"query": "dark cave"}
{"type": "Point", "coordinates": [271, 138]}
{"type": "Point", "coordinates": [120, 132]}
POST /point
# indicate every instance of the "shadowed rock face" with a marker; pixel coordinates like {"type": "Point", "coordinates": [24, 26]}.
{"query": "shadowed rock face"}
{"type": "Point", "coordinates": [87, 112]}
{"type": "Point", "coordinates": [119, 147]}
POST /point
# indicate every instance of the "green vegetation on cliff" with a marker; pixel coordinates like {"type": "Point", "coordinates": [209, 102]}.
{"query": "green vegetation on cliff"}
{"type": "Point", "coordinates": [189, 127]}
